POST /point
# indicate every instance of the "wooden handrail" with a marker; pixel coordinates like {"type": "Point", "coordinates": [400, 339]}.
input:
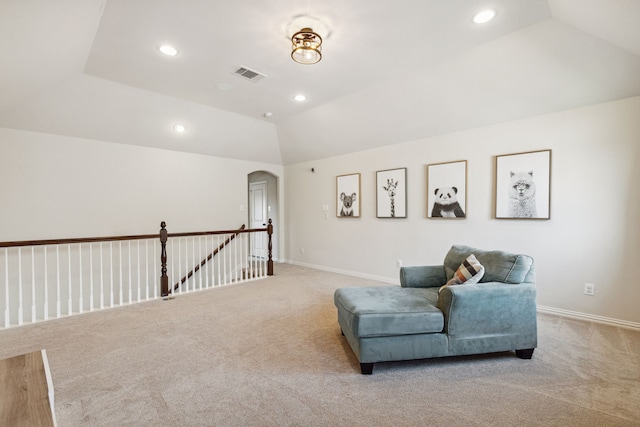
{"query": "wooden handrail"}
{"type": "Point", "coordinates": [208, 257]}
{"type": "Point", "coordinates": [119, 238]}
{"type": "Point", "coordinates": [75, 240]}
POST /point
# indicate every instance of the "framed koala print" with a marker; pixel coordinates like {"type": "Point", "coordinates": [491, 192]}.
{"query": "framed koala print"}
{"type": "Point", "coordinates": [523, 185]}
{"type": "Point", "coordinates": [348, 196]}
{"type": "Point", "coordinates": [447, 190]}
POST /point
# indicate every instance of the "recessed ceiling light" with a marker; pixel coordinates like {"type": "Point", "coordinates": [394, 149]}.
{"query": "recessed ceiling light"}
{"type": "Point", "coordinates": [179, 128]}
{"type": "Point", "coordinates": [168, 50]}
{"type": "Point", "coordinates": [300, 98]}
{"type": "Point", "coordinates": [268, 114]}
{"type": "Point", "coordinates": [484, 16]}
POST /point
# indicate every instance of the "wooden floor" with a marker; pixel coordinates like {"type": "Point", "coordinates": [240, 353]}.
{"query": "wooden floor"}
{"type": "Point", "coordinates": [26, 393]}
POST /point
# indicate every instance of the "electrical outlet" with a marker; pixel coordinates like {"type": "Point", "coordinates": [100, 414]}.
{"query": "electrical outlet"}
{"type": "Point", "coordinates": [589, 289]}
{"type": "Point", "coordinates": [399, 263]}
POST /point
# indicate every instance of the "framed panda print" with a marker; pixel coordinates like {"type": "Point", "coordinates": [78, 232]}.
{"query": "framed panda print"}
{"type": "Point", "coordinates": [447, 190]}
{"type": "Point", "coordinates": [523, 185]}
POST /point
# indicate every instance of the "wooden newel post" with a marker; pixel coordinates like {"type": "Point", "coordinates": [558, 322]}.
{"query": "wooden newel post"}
{"type": "Point", "coordinates": [164, 279]}
{"type": "Point", "coordinates": [270, 259]}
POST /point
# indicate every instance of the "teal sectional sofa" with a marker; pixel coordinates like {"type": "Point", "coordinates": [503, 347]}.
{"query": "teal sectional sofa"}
{"type": "Point", "coordinates": [416, 321]}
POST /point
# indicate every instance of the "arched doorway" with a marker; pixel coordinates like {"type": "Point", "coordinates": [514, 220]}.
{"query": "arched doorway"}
{"type": "Point", "coordinates": [263, 205]}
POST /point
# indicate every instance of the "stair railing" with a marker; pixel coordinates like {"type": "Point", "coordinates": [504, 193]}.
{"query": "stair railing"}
{"type": "Point", "coordinates": [215, 252]}
{"type": "Point", "coordinates": [231, 256]}
{"type": "Point", "coordinates": [45, 279]}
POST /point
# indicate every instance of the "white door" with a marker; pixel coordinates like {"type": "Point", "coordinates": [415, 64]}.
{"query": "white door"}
{"type": "Point", "coordinates": [258, 201]}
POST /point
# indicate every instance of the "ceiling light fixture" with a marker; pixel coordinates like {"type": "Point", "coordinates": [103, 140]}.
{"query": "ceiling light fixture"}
{"type": "Point", "coordinates": [306, 47]}
{"type": "Point", "coordinates": [300, 98]}
{"type": "Point", "coordinates": [168, 50]}
{"type": "Point", "coordinates": [179, 128]}
{"type": "Point", "coordinates": [484, 16]}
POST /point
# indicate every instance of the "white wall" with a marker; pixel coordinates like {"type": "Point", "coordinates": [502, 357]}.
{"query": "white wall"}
{"type": "Point", "coordinates": [593, 234]}
{"type": "Point", "coordinates": [58, 187]}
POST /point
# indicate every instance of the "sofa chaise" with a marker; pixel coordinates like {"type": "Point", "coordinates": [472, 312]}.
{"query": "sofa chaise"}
{"type": "Point", "coordinates": [422, 319]}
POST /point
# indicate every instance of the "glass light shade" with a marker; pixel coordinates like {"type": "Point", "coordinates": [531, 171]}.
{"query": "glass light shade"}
{"type": "Point", "coordinates": [306, 47]}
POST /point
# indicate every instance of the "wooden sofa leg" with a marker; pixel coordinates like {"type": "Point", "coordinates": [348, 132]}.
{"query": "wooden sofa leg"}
{"type": "Point", "coordinates": [366, 368]}
{"type": "Point", "coordinates": [525, 354]}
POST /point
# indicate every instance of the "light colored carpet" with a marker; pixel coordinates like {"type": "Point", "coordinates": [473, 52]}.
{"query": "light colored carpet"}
{"type": "Point", "coordinates": [270, 353]}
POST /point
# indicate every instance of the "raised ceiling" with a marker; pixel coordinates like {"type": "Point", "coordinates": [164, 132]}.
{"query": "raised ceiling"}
{"type": "Point", "coordinates": [391, 71]}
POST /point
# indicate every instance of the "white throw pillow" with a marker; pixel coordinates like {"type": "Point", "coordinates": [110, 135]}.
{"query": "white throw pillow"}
{"type": "Point", "coordinates": [469, 272]}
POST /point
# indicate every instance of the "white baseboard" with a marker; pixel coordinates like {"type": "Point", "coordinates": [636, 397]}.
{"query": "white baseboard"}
{"type": "Point", "coordinates": [346, 272]}
{"type": "Point", "coordinates": [589, 317]}
{"type": "Point", "coordinates": [541, 309]}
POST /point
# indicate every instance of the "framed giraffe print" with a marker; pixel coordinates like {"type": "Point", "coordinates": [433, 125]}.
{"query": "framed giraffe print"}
{"type": "Point", "coordinates": [391, 193]}
{"type": "Point", "coordinates": [447, 190]}
{"type": "Point", "coordinates": [348, 196]}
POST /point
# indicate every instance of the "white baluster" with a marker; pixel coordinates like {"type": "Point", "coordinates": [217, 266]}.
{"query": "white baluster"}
{"type": "Point", "coordinates": [186, 265]}
{"type": "Point", "coordinates": [219, 256]}
{"type": "Point", "coordinates": [252, 253]}
{"type": "Point", "coordinates": [179, 265]}
{"type": "Point", "coordinates": [81, 291]}
{"type": "Point", "coordinates": [265, 258]}
{"type": "Point", "coordinates": [243, 257]}
{"type": "Point", "coordinates": [111, 274]}
{"type": "Point", "coordinates": [207, 252]}
{"type": "Point", "coordinates": [200, 260]}
{"type": "Point", "coordinates": [33, 285]}
{"type": "Point", "coordinates": [261, 259]}
{"type": "Point", "coordinates": [121, 290]}
{"type": "Point", "coordinates": [101, 278]}
{"type": "Point", "coordinates": [225, 275]}
{"type": "Point", "coordinates": [20, 308]}
{"type": "Point", "coordinates": [46, 286]}
{"type": "Point", "coordinates": [146, 269]}
{"type": "Point", "coordinates": [173, 269]}
{"type": "Point", "coordinates": [130, 276]}
{"type": "Point", "coordinates": [155, 271]}
{"type": "Point", "coordinates": [58, 301]}
{"type": "Point", "coordinates": [243, 271]}
{"type": "Point", "coordinates": [7, 312]}
{"type": "Point", "coordinates": [138, 266]}
{"type": "Point", "coordinates": [235, 259]}
{"type": "Point", "coordinates": [193, 263]}
{"type": "Point", "coordinates": [91, 296]}
{"type": "Point", "coordinates": [70, 302]}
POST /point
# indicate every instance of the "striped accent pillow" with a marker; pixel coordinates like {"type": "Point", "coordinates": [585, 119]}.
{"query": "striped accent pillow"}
{"type": "Point", "coordinates": [469, 272]}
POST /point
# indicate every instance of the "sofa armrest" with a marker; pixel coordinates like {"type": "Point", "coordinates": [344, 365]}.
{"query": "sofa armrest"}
{"type": "Point", "coordinates": [426, 276]}
{"type": "Point", "coordinates": [491, 308]}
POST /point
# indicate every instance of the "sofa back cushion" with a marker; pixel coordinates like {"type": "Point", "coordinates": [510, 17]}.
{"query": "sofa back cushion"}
{"type": "Point", "coordinates": [499, 266]}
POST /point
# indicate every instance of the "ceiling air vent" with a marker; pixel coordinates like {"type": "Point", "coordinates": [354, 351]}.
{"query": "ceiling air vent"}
{"type": "Point", "coordinates": [249, 74]}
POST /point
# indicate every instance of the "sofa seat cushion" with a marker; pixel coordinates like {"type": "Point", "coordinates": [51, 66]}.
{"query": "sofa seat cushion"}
{"type": "Point", "coordinates": [389, 310]}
